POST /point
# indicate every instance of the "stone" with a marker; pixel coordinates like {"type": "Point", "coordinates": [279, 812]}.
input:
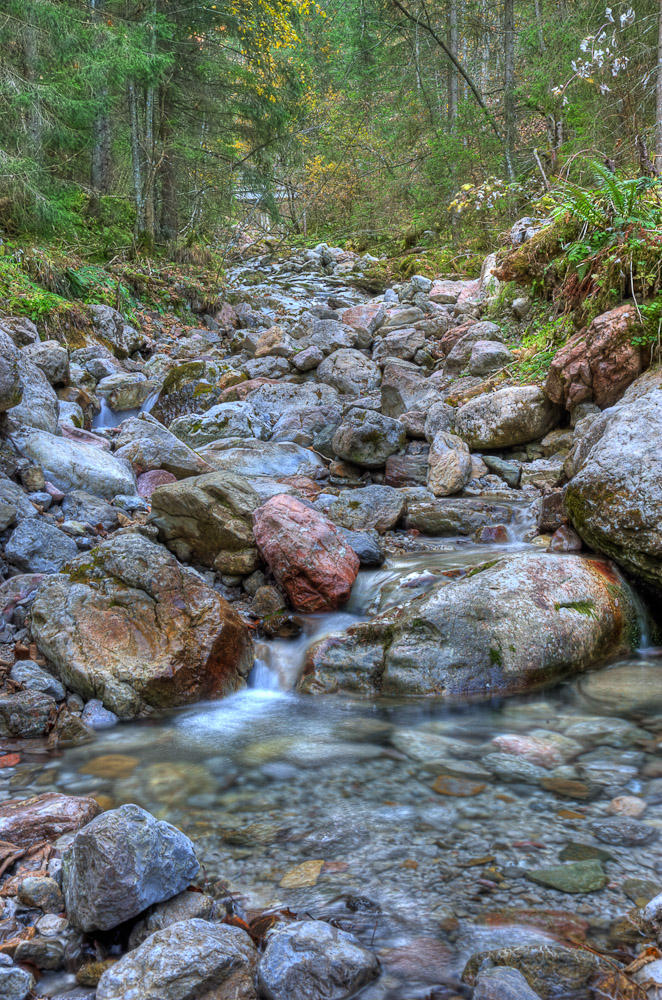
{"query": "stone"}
{"type": "Point", "coordinates": [543, 473]}
{"type": "Point", "coordinates": [251, 458]}
{"type": "Point", "coordinates": [623, 831]}
{"type": "Point", "coordinates": [35, 678]}
{"type": "Point", "coordinates": [565, 539]}
{"type": "Point", "coordinates": [25, 822]}
{"type": "Point", "coordinates": [576, 876]}
{"type": "Point", "coordinates": [502, 983]}
{"type": "Point", "coordinates": [21, 330]}
{"type": "Point", "coordinates": [36, 546]}
{"type": "Point", "coordinates": [399, 344]}
{"type": "Point", "coordinates": [209, 519]}
{"type": "Point", "coordinates": [302, 876]}
{"type": "Point", "coordinates": [614, 497]}
{"type": "Point", "coordinates": [111, 329]}
{"type": "Point", "coordinates": [628, 805]}
{"type": "Point", "coordinates": [489, 356]}
{"type": "Point", "coordinates": [147, 444]}
{"type": "Point", "coordinates": [52, 358]}
{"type": "Point", "coordinates": [598, 363]}
{"type": "Point", "coordinates": [147, 482]}
{"type": "Point", "coordinates": [486, 634]}
{"type": "Point", "coordinates": [122, 862]}
{"type": "Point", "coordinates": [43, 892]}
{"type": "Point", "coordinates": [405, 388]}
{"type": "Point", "coordinates": [224, 420]}
{"type": "Point", "coordinates": [307, 359]}
{"type": "Point", "coordinates": [367, 317]}
{"type": "Point", "coordinates": [15, 983]}
{"type": "Point", "coordinates": [378, 507]}
{"type": "Point", "coordinates": [439, 417]}
{"type": "Point", "coordinates": [447, 290]}
{"type": "Point", "coordinates": [185, 906]}
{"type": "Point", "coordinates": [189, 960]}
{"type": "Point", "coordinates": [521, 307]}
{"type": "Point", "coordinates": [38, 406]}
{"type": "Point", "coordinates": [275, 343]}
{"type": "Point", "coordinates": [449, 464]}
{"type": "Point", "coordinates": [455, 517]}
{"type": "Point", "coordinates": [129, 625]}
{"type": "Point", "coordinates": [406, 470]}
{"type": "Point", "coordinates": [306, 552]}
{"type": "Point", "coordinates": [507, 417]}
{"type": "Point", "coordinates": [367, 438]}
{"type": "Point", "coordinates": [463, 342]}
{"type": "Point", "coordinates": [509, 471]}
{"type": "Point", "coordinates": [271, 402]}
{"type": "Point", "coordinates": [366, 546]}
{"type": "Point", "coordinates": [551, 970]}
{"type": "Point", "coordinates": [311, 960]}
{"type": "Point", "coordinates": [26, 714]}
{"type": "Point", "coordinates": [96, 717]}
{"type": "Point", "coordinates": [78, 505]}
{"type": "Point", "coordinates": [11, 383]}
{"type": "Point", "coordinates": [312, 427]}
{"type": "Point", "coordinates": [73, 466]}
{"type": "Point", "coordinates": [349, 372]}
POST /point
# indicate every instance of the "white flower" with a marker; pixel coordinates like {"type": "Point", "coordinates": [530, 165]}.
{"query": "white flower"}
{"type": "Point", "coordinates": [604, 89]}
{"type": "Point", "coordinates": [627, 18]}
{"type": "Point", "coordinates": [585, 44]}
{"type": "Point", "coordinates": [609, 15]}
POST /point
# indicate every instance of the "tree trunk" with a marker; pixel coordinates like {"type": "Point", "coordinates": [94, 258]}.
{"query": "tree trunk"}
{"type": "Point", "coordinates": [658, 131]}
{"type": "Point", "coordinates": [509, 85]}
{"type": "Point", "coordinates": [101, 130]}
{"type": "Point", "coordinates": [169, 225]}
{"type": "Point", "coordinates": [136, 165]}
{"type": "Point", "coordinates": [541, 37]}
{"type": "Point", "coordinates": [453, 76]}
{"type": "Point", "coordinates": [33, 118]}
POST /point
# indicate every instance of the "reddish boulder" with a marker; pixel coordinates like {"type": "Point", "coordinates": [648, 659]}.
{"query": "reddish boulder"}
{"type": "Point", "coordinates": [367, 316]}
{"type": "Point", "coordinates": [148, 481]}
{"type": "Point", "coordinates": [598, 363]}
{"type": "Point", "coordinates": [237, 393]}
{"type": "Point", "coordinates": [45, 817]}
{"type": "Point", "coordinates": [306, 552]}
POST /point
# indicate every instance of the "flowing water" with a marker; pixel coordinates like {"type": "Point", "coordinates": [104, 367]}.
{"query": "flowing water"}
{"type": "Point", "coordinates": [425, 860]}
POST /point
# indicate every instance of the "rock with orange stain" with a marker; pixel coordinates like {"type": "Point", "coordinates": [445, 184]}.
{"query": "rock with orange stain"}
{"type": "Point", "coordinates": [307, 553]}
{"type": "Point", "coordinates": [45, 817]}
{"type": "Point", "coordinates": [129, 625]}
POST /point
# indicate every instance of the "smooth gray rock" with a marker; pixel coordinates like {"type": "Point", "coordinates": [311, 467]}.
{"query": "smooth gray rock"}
{"type": "Point", "coordinates": [449, 464]}
{"type": "Point", "coordinates": [271, 402]}
{"type": "Point", "coordinates": [52, 358]}
{"type": "Point", "coordinates": [12, 494]}
{"type": "Point", "coordinates": [489, 356]}
{"type": "Point", "coordinates": [502, 983]}
{"type": "Point", "coordinates": [350, 372]}
{"type": "Point", "coordinates": [36, 546]}
{"type": "Point", "coordinates": [73, 466]}
{"type": "Point", "coordinates": [38, 406]}
{"type": "Point", "coordinates": [35, 678]}
{"type": "Point", "coordinates": [225, 420]}
{"type": "Point", "coordinates": [122, 862]}
{"type": "Point", "coordinates": [367, 438]}
{"type": "Point", "coordinates": [507, 417]}
{"type": "Point", "coordinates": [11, 384]}
{"type": "Point", "coordinates": [311, 960]}
{"type": "Point", "coordinates": [147, 444]}
{"type": "Point", "coordinates": [439, 417]}
{"type": "Point", "coordinates": [250, 457]}
{"type": "Point", "coordinates": [312, 427]}
{"type": "Point", "coordinates": [189, 960]}
{"type": "Point", "coordinates": [378, 507]}
{"type": "Point", "coordinates": [78, 505]}
{"type": "Point", "coordinates": [366, 545]}
{"type": "Point", "coordinates": [185, 906]}
{"type": "Point", "coordinates": [96, 717]}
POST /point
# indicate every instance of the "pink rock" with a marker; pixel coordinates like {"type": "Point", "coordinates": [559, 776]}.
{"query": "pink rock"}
{"type": "Point", "coordinates": [148, 481]}
{"type": "Point", "coordinates": [627, 805]}
{"type": "Point", "coordinates": [368, 316]}
{"type": "Point", "coordinates": [565, 539]}
{"type": "Point", "coordinates": [237, 393]}
{"type": "Point", "coordinates": [57, 494]}
{"type": "Point", "coordinates": [307, 554]}
{"type": "Point", "coordinates": [530, 748]}
{"type": "Point", "coordinates": [448, 290]}
{"type": "Point", "coordinates": [84, 437]}
{"type": "Point", "coordinates": [598, 363]}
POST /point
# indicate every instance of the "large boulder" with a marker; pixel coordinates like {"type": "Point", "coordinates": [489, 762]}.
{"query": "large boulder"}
{"type": "Point", "coordinates": [52, 358]}
{"type": "Point", "coordinates": [405, 388]}
{"type": "Point", "coordinates": [146, 444]}
{"type": "Point", "coordinates": [615, 497]}
{"type": "Point", "coordinates": [599, 363]}
{"type": "Point", "coordinates": [271, 402]}
{"type": "Point", "coordinates": [73, 466]}
{"type": "Point", "coordinates": [36, 546]}
{"type": "Point", "coordinates": [307, 553]}
{"type": "Point", "coordinates": [349, 372]}
{"type": "Point", "coordinates": [250, 457]}
{"type": "Point", "coordinates": [225, 420]}
{"type": "Point", "coordinates": [122, 862]}
{"type": "Point", "coordinates": [449, 464]}
{"type": "Point", "coordinates": [511, 416]}
{"type": "Point", "coordinates": [209, 519]}
{"type": "Point", "coordinates": [378, 507]}
{"type": "Point", "coordinates": [367, 438]}
{"type": "Point", "coordinates": [129, 625]}
{"type": "Point", "coordinates": [112, 330]}
{"type": "Point", "coordinates": [38, 406]}
{"type": "Point", "coordinates": [193, 387]}
{"type": "Point", "coordinates": [313, 427]}
{"type": "Point", "coordinates": [11, 384]}
{"type": "Point", "coordinates": [506, 628]}
{"type": "Point", "coordinates": [190, 960]}
{"type": "Point", "coordinates": [311, 960]}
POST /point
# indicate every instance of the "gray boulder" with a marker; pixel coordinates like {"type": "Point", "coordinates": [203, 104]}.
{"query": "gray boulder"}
{"type": "Point", "coordinates": [114, 332]}
{"type": "Point", "coordinates": [489, 356]}
{"type": "Point", "coordinates": [615, 497]}
{"type": "Point", "coordinates": [367, 438]}
{"type": "Point", "coordinates": [271, 402]}
{"type": "Point", "coordinates": [36, 546]}
{"type": "Point", "coordinates": [185, 906]}
{"type": "Point", "coordinates": [52, 358]}
{"type": "Point", "coordinates": [511, 416]}
{"type": "Point", "coordinates": [312, 427]}
{"type": "Point", "coordinates": [378, 507]}
{"type": "Point", "coordinates": [38, 405]}
{"type": "Point", "coordinates": [311, 960]}
{"type": "Point", "coordinates": [21, 330]}
{"type": "Point", "coordinates": [26, 714]}
{"type": "Point", "coordinates": [189, 960]}
{"type": "Point", "coordinates": [404, 388]}
{"type": "Point", "coordinates": [249, 457]}
{"type": "Point", "coordinates": [209, 519]}
{"type": "Point", "coordinates": [15, 983]}
{"type": "Point", "coordinates": [503, 983]}
{"type": "Point", "coordinates": [11, 384]}
{"type": "Point", "coordinates": [506, 628]}
{"type": "Point", "coordinates": [349, 372]}
{"type": "Point", "coordinates": [89, 509]}
{"type": "Point", "coordinates": [35, 678]}
{"type": "Point", "coordinates": [460, 354]}
{"type": "Point", "coordinates": [73, 466]}
{"type": "Point", "coordinates": [225, 420]}
{"type": "Point", "coordinates": [399, 344]}
{"type": "Point", "coordinates": [122, 862]}
{"type": "Point", "coordinates": [449, 464]}
{"type": "Point", "coordinates": [12, 495]}
{"type": "Point", "coordinates": [147, 444]}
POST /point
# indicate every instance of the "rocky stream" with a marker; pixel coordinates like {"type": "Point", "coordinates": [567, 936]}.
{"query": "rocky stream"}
{"type": "Point", "coordinates": [328, 659]}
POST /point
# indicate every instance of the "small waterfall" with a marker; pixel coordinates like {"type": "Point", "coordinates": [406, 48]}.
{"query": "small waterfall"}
{"type": "Point", "coordinates": [525, 518]}
{"type": "Point", "coordinates": [150, 401]}
{"type": "Point", "coordinates": [109, 418]}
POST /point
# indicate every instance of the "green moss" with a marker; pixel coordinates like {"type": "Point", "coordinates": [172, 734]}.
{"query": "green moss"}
{"type": "Point", "coordinates": [496, 659]}
{"type": "Point", "coordinates": [586, 608]}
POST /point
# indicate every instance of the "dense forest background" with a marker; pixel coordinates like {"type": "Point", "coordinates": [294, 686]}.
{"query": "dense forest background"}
{"type": "Point", "coordinates": [130, 124]}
